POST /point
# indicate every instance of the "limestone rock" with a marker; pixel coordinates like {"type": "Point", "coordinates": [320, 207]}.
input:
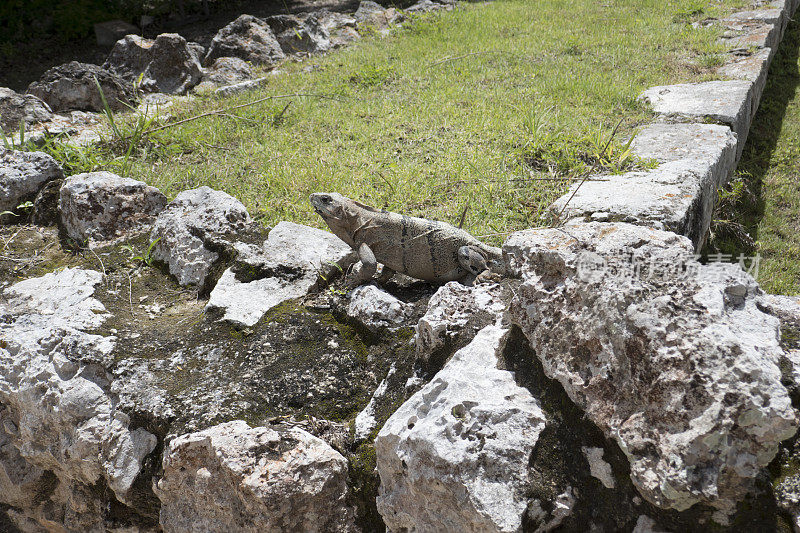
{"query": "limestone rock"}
{"type": "Point", "coordinates": [60, 424]}
{"type": "Point", "coordinates": [227, 71]}
{"type": "Point", "coordinates": [298, 36]}
{"type": "Point", "coordinates": [672, 360]}
{"type": "Point", "coordinates": [18, 108]}
{"type": "Point", "coordinates": [456, 312]}
{"type": "Point", "coordinates": [129, 57]}
{"type": "Point", "coordinates": [340, 27]}
{"type": "Point", "coordinates": [376, 309]}
{"type": "Point", "coordinates": [72, 86]}
{"type": "Point", "coordinates": [242, 86]}
{"type": "Point", "coordinates": [100, 206]}
{"type": "Point", "coordinates": [173, 69]}
{"type": "Point", "coordinates": [185, 226]}
{"type": "Point", "coordinates": [454, 457]}
{"type": "Point", "coordinates": [167, 64]}
{"type": "Point", "coordinates": [235, 478]}
{"type": "Point", "coordinates": [427, 6]}
{"type": "Point", "coordinates": [22, 174]}
{"type": "Point", "coordinates": [287, 266]}
{"type": "Point", "coordinates": [373, 14]}
{"type": "Point", "coordinates": [249, 38]}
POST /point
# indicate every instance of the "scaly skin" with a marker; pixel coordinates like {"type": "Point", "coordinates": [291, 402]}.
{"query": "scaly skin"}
{"type": "Point", "coordinates": [423, 249]}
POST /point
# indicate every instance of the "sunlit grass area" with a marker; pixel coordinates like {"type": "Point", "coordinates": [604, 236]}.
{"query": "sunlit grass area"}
{"type": "Point", "coordinates": [761, 214]}
{"type": "Point", "coordinates": [492, 106]}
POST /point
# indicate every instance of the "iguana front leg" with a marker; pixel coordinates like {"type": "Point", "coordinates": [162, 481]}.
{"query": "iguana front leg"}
{"type": "Point", "coordinates": [368, 266]}
{"type": "Point", "coordinates": [474, 261]}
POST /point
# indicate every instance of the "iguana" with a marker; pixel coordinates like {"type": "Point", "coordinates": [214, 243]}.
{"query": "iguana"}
{"type": "Point", "coordinates": [423, 249]}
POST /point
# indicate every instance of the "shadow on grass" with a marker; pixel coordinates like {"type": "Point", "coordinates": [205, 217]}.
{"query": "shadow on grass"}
{"type": "Point", "coordinates": [747, 210]}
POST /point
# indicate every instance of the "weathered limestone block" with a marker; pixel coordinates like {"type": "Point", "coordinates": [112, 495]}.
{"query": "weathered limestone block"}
{"type": "Point", "coordinates": [71, 86]}
{"type": "Point", "coordinates": [286, 266]}
{"type": "Point", "coordinates": [100, 206]}
{"type": "Point", "coordinates": [248, 38]}
{"type": "Point", "coordinates": [673, 360]}
{"type": "Point", "coordinates": [18, 108]}
{"type": "Point", "coordinates": [376, 309]}
{"type": "Point", "coordinates": [22, 174]}
{"type": "Point", "coordinates": [373, 14]}
{"type": "Point", "coordinates": [299, 36]}
{"type": "Point", "coordinates": [227, 71]}
{"type": "Point", "coordinates": [60, 423]}
{"type": "Point", "coordinates": [340, 27]}
{"type": "Point", "coordinates": [456, 312]}
{"type": "Point", "coordinates": [731, 102]}
{"type": "Point", "coordinates": [455, 456]}
{"type": "Point", "coordinates": [185, 226]}
{"type": "Point", "coordinates": [235, 478]}
{"type": "Point", "coordinates": [167, 64]}
{"type": "Point", "coordinates": [694, 161]}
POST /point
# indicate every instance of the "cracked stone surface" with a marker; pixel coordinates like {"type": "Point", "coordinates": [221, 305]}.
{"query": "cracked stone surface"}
{"type": "Point", "coordinates": [674, 361]}
{"type": "Point", "coordinates": [454, 457]}
{"type": "Point", "coordinates": [232, 477]}
{"type": "Point", "coordinates": [286, 266]}
{"type": "Point", "coordinates": [23, 174]}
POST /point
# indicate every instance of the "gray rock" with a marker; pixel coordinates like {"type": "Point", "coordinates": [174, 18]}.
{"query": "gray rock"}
{"type": "Point", "coordinates": [599, 468]}
{"type": "Point", "coordinates": [129, 57]}
{"type": "Point", "coordinates": [101, 206]}
{"type": "Point", "coordinates": [366, 422]}
{"type": "Point", "coordinates": [22, 174]}
{"type": "Point", "coordinates": [454, 457]}
{"type": "Point", "coordinates": [372, 14]}
{"type": "Point", "coordinates": [672, 360]}
{"type": "Point", "coordinates": [235, 478]}
{"type": "Point", "coordinates": [228, 71]}
{"type": "Point", "coordinates": [694, 161]}
{"type": "Point", "coordinates": [340, 27]}
{"type": "Point", "coordinates": [427, 6]}
{"type": "Point", "coordinates": [198, 51]}
{"type": "Point", "coordinates": [18, 108]}
{"type": "Point", "coordinates": [71, 86]}
{"type": "Point", "coordinates": [173, 69]}
{"type": "Point", "coordinates": [376, 309]}
{"type": "Point", "coordinates": [297, 36]}
{"type": "Point", "coordinates": [186, 226]}
{"type": "Point", "coordinates": [60, 422]}
{"type": "Point", "coordinates": [236, 88]}
{"type": "Point", "coordinates": [454, 315]}
{"type": "Point", "coordinates": [287, 266]}
{"type": "Point", "coordinates": [109, 32]}
{"type": "Point", "coordinates": [728, 102]}
{"type": "Point", "coordinates": [167, 64]}
{"type": "Point", "coordinates": [249, 38]}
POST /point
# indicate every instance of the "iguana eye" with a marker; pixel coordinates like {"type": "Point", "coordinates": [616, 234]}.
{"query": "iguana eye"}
{"type": "Point", "coordinates": [326, 199]}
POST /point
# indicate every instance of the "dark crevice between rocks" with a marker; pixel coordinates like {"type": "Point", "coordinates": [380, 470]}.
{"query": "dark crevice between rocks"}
{"type": "Point", "coordinates": [6, 524]}
{"type": "Point", "coordinates": [558, 462]}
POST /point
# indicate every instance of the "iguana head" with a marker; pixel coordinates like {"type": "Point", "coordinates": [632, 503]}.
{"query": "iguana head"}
{"type": "Point", "coordinates": [338, 212]}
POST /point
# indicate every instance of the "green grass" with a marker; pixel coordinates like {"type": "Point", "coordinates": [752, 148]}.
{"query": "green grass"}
{"type": "Point", "coordinates": [766, 204]}
{"type": "Point", "coordinates": [453, 109]}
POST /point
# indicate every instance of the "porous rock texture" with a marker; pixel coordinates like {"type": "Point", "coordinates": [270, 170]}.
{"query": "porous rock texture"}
{"type": "Point", "coordinates": [299, 36]}
{"type": "Point", "coordinates": [166, 65]}
{"type": "Point", "coordinates": [289, 264]}
{"type": "Point", "coordinates": [248, 38]}
{"type": "Point", "coordinates": [22, 174]}
{"type": "Point", "coordinates": [100, 206]}
{"type": "Point", "coordinates": [672, 360]}
{"type": "Point", "coordinates": [454, 315]}
{"type": "Point", "coordinates": [227, 71]}
{"type": "Point", "coordinates": [340, 27]}
{"type": "Point", "coordinates": [232, 477]}
{"type": "Point", "coordinates": [18, 108]}
{"type": "Point", "coordinates": [66, 451]}
{"type": "Point", "coordinates": [188, 224]}
{"type": "Point", "coordinates": [372, 14]}
{"type": "Point", "coordinates": [376, 309]}
{"type": "Point", "coordinates": [455, 456]}
{"type": "Point", "coordinates": [71, 86]}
